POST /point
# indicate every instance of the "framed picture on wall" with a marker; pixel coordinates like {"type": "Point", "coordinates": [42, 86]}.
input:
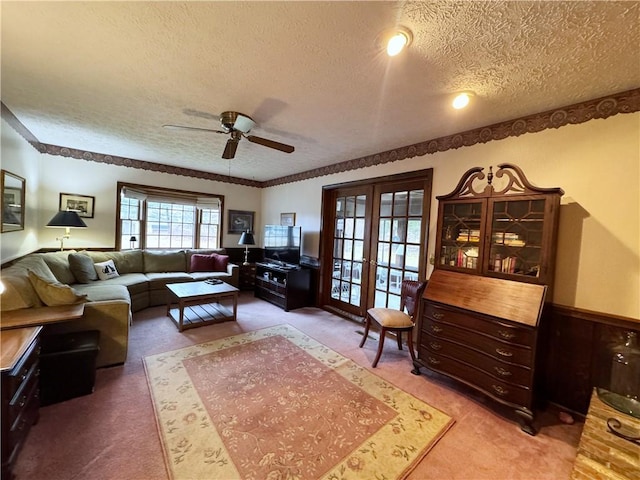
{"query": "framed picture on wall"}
{"type": "Point", "coordinates": [240, 221]}
{"type": "Point", "coordinates": [82, 204]}
{"type": "Point", "coordinates": [288, 219]}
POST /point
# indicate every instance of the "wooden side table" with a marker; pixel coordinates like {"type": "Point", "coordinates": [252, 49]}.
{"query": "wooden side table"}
{"type": "Point", "coordinates": [248, 276]}
{"type": "Point", "coordinates": [601, 454]}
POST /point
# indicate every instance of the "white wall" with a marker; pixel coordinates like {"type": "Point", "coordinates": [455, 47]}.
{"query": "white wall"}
{"type": "Point", "coordinates": [596, 163]}
{"type": "Point", "coordinates": [47, 176]}
{"type": "Point", "coordinates": [68, 175]}
{"type": "Point", "coordinates": [20, 158]}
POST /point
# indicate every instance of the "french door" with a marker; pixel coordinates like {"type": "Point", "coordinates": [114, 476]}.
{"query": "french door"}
{"type": "Point", "coordinates": [374, 235]}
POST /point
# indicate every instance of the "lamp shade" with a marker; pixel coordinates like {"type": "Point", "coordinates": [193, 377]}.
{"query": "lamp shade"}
{"type": "Point", "coordinates": [67, 218]}
{"type": "Point", "coordinates": [133, 239]}
{"type": "Point", "coordinates": [246, 239]}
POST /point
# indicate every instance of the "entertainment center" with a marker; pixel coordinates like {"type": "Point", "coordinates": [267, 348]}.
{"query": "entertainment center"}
{"type": "Point", "coordinates": [279, 278]}
{"type": "Point", "coordinates": [285, 286]}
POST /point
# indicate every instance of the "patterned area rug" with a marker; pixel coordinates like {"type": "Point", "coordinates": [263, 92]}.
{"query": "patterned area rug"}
{"type": "Point", "coordinates": [276, 404]}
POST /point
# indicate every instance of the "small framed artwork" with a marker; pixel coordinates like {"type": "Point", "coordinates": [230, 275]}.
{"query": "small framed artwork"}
{"type": "Point", "coordinates": [288, 219]}
{"type": "Point", "coordinates": [82, 204]}
{"type": "Point", "coordinates": [240, 221]}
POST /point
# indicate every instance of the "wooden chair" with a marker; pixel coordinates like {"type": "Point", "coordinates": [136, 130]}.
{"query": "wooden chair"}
{"type": "Point", "coordinates": [397, 321]}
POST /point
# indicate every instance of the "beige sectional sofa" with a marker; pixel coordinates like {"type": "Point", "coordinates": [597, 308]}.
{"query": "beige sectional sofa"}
{"type": "Point", "coordinates": [142, 277]}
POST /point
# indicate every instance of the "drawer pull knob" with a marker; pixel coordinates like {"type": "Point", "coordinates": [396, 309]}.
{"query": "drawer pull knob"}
{"type": "Point", "coordinates": [436, 329]}
{"type": "Point", "coordinates": [503, 352]}
{"type": "Point", "coordinates": [502, 372]}
{"type": "Point", "coordinates": [506, 335]}
{"type": "Point", "coordinates": [437, 315]}
{"type": "Point", "coordinates": [499, 390]}
{"type": "Point", "coordinates": [435, 346]}
{"type": "Point", "coordinates": [21, 425]}
{"type": "Point", "coordinates": [434, 361]}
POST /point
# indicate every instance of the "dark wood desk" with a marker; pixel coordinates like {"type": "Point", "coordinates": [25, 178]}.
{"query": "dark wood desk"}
{"type": "Point", "coordinates": [20, 369]}
{"type": "Point", "coordinates": [14, 344]}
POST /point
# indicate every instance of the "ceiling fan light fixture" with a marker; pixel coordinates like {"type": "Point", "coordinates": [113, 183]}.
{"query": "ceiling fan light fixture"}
{"type": "Point", "coordinates": [237, 125]}
{"type": "Point", "coordinates": [462, 100]}
{"type": "Point", "coordinates": [399, 39]}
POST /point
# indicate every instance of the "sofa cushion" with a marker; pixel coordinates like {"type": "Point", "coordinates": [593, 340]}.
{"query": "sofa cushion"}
{"type": "Point", "coordinates": [156, 261]}
{"type": "Point", "coordinates": [159, 280]}
{"type": "Point", "coordinates": [199, 276]}
{"type": "Point", "coordinates": [81, 266]}
{"type": "Point", "coordinates": [135, 282]}
{"type": "Point", "coordinates": [209, 263]}
{"type": "Point", "coordinates": [54, 293]}
{"type": "Point", "coordinates": [106, 270]}
{"type": "Point", "coordinates": [19, 293]}
{"type": "Point", "coordinates": [127, 261]}
{"type": "Point", "coordinates": [104, 292]}
{"type": "Point", "coordinates": [59, 264]}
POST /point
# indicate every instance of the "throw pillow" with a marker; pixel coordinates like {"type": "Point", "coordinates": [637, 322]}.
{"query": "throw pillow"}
{"type": "Point", "coordinates": [220, 262]}
{"type": "Point", "coordinates": [106, 270]}
{"type": "Point", "coordinates": [53, 294]}
{"type": "Point", "coordinates": [209, 263]}
{"type": "Point", "coordinates": [82, 268]}
{"type": "Point", "coordinates": [201, 263]}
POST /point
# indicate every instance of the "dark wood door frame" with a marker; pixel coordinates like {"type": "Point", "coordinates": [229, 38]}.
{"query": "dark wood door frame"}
{"type": "Point", "coordinates": [327, 223]}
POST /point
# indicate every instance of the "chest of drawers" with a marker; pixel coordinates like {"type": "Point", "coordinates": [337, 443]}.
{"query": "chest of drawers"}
{"type": "Point", "coordinates": [490, 347]}
{"type": "Point", "coordinates": [20, 394]}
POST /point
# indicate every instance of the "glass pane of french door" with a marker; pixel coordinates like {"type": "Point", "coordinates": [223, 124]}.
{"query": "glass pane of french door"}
{"type": "Point", "coordinates": [398, 243]}
{"type": "Point", "coordinates": [348, 249]}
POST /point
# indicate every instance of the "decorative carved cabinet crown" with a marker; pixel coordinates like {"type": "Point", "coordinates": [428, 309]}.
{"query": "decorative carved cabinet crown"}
{"type": "Point", "coordinates": [481, 310]}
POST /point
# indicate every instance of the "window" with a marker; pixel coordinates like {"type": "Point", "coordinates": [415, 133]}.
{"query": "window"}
{"type": "Point", "coordinates": [167, 219]}
{"type": "Point", "coordinates": [129, 222]}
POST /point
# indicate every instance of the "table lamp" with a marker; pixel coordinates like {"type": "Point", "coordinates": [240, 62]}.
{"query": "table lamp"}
{"type": "Point", "coordinates": [246, 239]}
{"type": "Point", "coordinates": [67, 219]}
{"type": "Point", "coordinates": [132, 242]}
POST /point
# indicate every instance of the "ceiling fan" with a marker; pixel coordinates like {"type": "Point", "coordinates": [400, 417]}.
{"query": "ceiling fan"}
{"type": "Point", "coordinates": [237, 125]}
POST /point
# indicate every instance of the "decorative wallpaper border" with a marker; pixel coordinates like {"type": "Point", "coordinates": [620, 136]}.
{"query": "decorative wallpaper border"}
{"type": "Point", "coordinates": [604, 107]}
{"type": "Point", "coordinates": [624, 102]}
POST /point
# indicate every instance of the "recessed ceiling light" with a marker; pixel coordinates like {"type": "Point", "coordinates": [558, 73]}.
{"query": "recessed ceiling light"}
{"type": "Point", "coordinates": [462, 100]}
{"type": "Point", "coordinates": [397, 40]}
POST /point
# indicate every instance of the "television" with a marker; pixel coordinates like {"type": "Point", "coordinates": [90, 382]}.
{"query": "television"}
{"type": "Point", "coordinates": [282, 244]}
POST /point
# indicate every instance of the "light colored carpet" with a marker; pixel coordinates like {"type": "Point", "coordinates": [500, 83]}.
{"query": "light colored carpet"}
{"type": "Point", "coordinates": [276, 404]}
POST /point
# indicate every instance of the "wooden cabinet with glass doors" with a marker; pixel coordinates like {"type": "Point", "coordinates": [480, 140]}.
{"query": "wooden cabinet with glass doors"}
{"type": "Point", "coordinates": [508, 233]}
{"type": "Point", "coordinates": [483, 304]}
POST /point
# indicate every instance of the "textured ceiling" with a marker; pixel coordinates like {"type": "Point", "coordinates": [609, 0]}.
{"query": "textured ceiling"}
{"type": "Point", "coordinates": [105, 76]}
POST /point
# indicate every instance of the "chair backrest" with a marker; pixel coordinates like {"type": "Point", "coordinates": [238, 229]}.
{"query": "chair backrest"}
{"type": "Point", "coordinates": [410, 293]}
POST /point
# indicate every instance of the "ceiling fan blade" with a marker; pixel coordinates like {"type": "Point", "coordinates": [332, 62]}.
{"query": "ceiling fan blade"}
{"type": "Point", "coordinates": [197, 129]}
{"type": "Point", "coordinates": [230, 148]}
{"type": "Point", "coordinates": [270, 143]}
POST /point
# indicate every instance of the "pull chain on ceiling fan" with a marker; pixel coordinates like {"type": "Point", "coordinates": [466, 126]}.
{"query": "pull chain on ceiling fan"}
{"type": "Point", "coordinates": [237, 125]}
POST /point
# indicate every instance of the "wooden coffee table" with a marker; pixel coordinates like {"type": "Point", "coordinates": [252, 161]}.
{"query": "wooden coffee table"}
{"type": "Point", "coordinates": [198, 303]}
